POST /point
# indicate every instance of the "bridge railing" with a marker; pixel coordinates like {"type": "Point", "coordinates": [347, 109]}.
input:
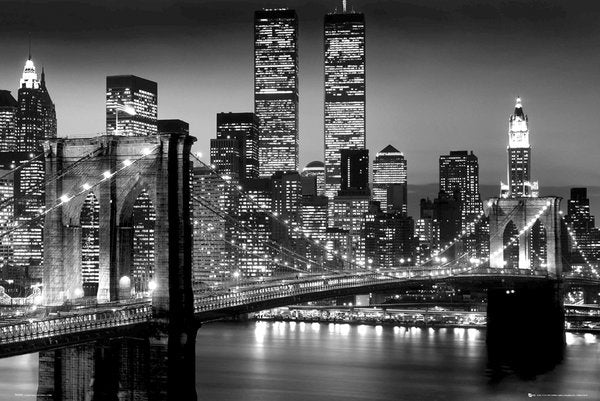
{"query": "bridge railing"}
{"type": "Point", "coordinates": [258, 292]}
{"type": "Point", "coordinates": [74, 322]}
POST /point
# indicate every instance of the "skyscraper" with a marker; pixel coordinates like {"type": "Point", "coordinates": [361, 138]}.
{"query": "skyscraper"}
{"type": "Point", "coordinates": [36, 118]}
{"type": "Point", "coordinates": [131, 106]}
{"type": "Point", "coordinates": [213, 232]}
{"type": "Point", "coordinates": [355, 170]}
{"type": "Point", "coordinates": [6, 223]}
{"type": "Point", "coordinates": [226, 156]}
{"type": "Point", "coordinates": [583, 224]}
{"type": "Point", "coordinates": [345, 123]}
{"type": "Point", "coordinates": [8, 122]}
{"type": "Point", "coordinates": [35, 122]}
{"type": "Point", "coordinates": [459, 174]}
{"type": "Point", "coordinates": [519, 156]}
{"type": "Point", "coordinates": [243, 129]}
{"type": "Point", "coordinates": [276, 89]}
{"type": "Point", "coordinates": [316, 169]}
{"type": "Point", "coordinates": [389, 167]}
{"type": "Point", "coordinates": [256, 256]}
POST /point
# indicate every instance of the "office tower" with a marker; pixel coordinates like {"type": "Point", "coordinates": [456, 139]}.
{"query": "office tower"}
{"type": "Point", "coordinates": [427, 236]}
{"type": "Point", "coordinates": [345, 124]}
{"type": "Point", "coordinates": [6, 222]}
{"type": "Point", "coordinates": [348, 209]}
{"type": "Point", "coordinates": [583, 225]}
{"type": "Point", "coordinates": [242, 128]}
{"type": "Point", "coordinates": [347, 212]}
{"type": "Point", "coordinates": [316, 169]}
{"type": "Point", "coordinates": [459, 174]}
{"type": "Point", "coordinates": [8, 122]}
{"type": "Point", "coordinates": [338, 244]}
{"type": "Point", "coordinates": [314, 226]}
{"type": "Point", "coordinates": [309, 185]}
{"type": "Point", "coordinates": [214, 207]}
{"type": "Point", "coordinates": [444, 215]}
{"type": "Point", "coordinates": [257, 256]}
{"type": "Point", "coordinates": [27, 178]}
{"type": "Point", "coordinates": [314, 216]}
{"type": "Point", "coordinates": [276, 89]}
{"type": "Point", "coordinates": [287, 203]}
{"type": "Point", "coordinates": [354, 170]}
{"type": "Point", "coordinates": [519, 157]}
{"type": "Point", "coordinates": [396, 198]}
{"type": "Point", "coordinates": [35, 122]}
{"type": "Point", "coordinates": [131, 106]}
{"type": "Point", "coordinates": [36, 117]}
{"type": "Point", "coordinates": [226, 156]}
{"type": "Point", "coordinates": [389, 168]}
{"type": "Point", "coordinates": [389, 239]}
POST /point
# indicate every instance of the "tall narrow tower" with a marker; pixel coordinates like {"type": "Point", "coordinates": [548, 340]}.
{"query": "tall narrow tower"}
{"type": "Point", "coordinates": [519, 156]}
{"type": "Point", "coordinates": [345, 123]}
{"type": "Point", "coordinates": [36, 117]}
{"type": "Point", "coordinates": [276, 89]}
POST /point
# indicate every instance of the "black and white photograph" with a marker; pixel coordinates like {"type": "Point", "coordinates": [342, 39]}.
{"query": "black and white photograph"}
{"type": "Point", "coordinates": [299, 200]}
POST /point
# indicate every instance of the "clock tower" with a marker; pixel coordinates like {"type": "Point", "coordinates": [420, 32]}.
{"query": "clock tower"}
{"type": "Point", "coordinates": [519, 156]}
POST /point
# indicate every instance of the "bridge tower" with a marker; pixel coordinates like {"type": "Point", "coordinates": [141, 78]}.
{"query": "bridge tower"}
{"type": "Point", "coordinates": [525, 321]}
{"type": "Point", "coordinates": [536, 222]}
{"type": "Point", "coordinates": [117, 169]}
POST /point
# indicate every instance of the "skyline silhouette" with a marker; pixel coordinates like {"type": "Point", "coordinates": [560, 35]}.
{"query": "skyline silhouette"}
{"type": "Point", "coordinates": [440, 76]}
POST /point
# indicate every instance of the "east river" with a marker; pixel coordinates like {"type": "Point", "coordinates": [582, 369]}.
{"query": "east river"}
{"type": "Point", "coordinates": [293, 361]}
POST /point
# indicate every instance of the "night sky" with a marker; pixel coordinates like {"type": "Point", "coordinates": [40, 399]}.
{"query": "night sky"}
{"type": "Point", "coordinates": [441, 75]}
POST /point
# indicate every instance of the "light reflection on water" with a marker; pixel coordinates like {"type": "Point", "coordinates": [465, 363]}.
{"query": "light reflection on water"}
{"type": "Point", "coordinates": [270, 361]}
{"type": "Point", "coordinates": [362, 362]}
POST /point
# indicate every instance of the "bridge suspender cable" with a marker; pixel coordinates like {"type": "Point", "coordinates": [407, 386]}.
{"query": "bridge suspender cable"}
{"type": "Point", "coordinates": [85, 188]}
{"type": "Point", "coordinates": [579, 249]}
{"type": "Point", "coordinates": [238, 189]}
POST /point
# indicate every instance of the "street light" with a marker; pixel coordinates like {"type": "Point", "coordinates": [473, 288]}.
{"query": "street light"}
{"type": "Point", "coordinates": [125, 108]}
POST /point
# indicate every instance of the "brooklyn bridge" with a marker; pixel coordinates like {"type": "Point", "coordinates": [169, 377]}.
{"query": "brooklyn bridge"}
{"type": "Point", "coordinates": [116, 169]}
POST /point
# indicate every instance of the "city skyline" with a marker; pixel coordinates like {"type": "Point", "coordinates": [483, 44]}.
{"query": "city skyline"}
{"type": "Point", "coordinates": [476, 121]}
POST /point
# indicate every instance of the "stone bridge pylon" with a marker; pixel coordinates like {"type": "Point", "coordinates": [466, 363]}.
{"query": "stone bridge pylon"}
{"type": "Point", "coordinates": [116, 169]}
{"type": "Point", "coordinates": [536, 223]}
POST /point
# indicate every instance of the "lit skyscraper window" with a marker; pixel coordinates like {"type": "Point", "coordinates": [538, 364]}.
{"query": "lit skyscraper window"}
{"type": "Point", "coordinates": [316, 169]}
{"type": "Point", "coordinates": [276, 89]}
{"type": "Point", "coordinates": [389, 168]}
{"type": "Point", "coordinates": [345, 124]}
{"type": "Point", "coordinates": [133, 102]}
{"type": "Point", "coordinates": [8, 121]}
{"type": "Point", "coordinates": [235, 150]}
{"type": "Point", "coordinates": [459, 173]}
{"type": "Point", "coordinates": [90, 244]}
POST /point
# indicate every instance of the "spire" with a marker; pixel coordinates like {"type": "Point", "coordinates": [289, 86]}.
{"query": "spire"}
{"type": "Point", "coordinates": [344, 6]}
{"type": "Point", "coordinates": [29, 46]}
{"type": "Point", "coordinates": [43, 78]}
{"type": "Point", "coordinates": [519, 108]}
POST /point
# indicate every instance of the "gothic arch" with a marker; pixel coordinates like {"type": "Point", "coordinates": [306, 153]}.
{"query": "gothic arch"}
{"type": "Point", "coordinates": [144, 223]}
{"type": "Point", "coordinates": [511, 252]}
{"type": "Point", "coordinates": [90, 244]}
{"type": "Point", "coordinates": [538, 251]}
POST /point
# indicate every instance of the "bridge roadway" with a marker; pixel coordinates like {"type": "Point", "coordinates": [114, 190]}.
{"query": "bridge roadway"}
{"type": "Point", "coordinates": [85, 324]}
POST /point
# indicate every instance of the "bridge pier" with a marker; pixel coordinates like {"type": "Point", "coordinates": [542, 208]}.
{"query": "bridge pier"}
{"type": "Point", "coordinates": [526, 327]}
{"type": "Point", "coordinates": [172, 361]}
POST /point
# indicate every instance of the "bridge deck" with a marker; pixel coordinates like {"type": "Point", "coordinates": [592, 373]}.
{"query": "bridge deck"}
{"type": "Point", "coordinates": [79, 325]}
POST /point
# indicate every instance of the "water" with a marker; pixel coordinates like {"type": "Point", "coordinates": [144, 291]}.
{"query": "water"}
{"type": "Point", "coordinates": [270, 361]}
